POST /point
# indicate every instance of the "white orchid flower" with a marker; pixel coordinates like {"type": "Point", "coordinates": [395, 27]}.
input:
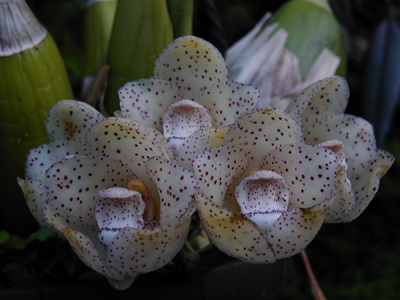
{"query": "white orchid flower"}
{"type": "Point", "coordinates": [263, 195]}
{"type": "Point", "coordinates": [190, 98]}
{"type": "Point", "coordinates": [320, 109]}
{"type": "Point", "coordinates": [109, 187]}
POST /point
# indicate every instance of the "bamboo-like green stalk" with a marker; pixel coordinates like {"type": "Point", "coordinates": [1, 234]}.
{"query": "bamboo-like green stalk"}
{"type": "Point", "coordinates": [99, 20]}
{"type": "Point", "coordinates": [141, 30]}
{"type": "Point", "coordinates": [181, 12]}
{"type": "Point", "coordinates": [311, 27]}
{"type": "Point", "coordinates": [32, 79]}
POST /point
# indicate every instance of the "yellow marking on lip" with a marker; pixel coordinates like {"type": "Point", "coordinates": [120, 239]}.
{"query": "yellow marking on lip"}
{"type": "Point", "coordinates": [152, 210]}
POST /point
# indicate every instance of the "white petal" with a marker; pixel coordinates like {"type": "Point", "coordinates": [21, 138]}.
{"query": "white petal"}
{"type": "Point", "coordinates": [202, 139]}
{"type": "Point", "coordinates": [192, 64]}
{"type": "Point", "coordinates": [263, 197]}
{"type": "Point", "coordinates": [310, 173]}
{"type": "Point", "coordinates": [73, 183]}
{"type": "Point", "coordinates": [42, 157]}
{"type": "Point", "coordinates": [183, 118]}
{"type": "Point", "coordinates": [294, 230]}
{"type": "Point", "coordinates": [146, 100]}
{"type": "Point", "coordinates": [366, 184]}
{"type": "Point", "coordinates": [355, 133]}
{"type": "Point", "coordinates": [198, 69]}
{"type": "Point", "coordinates": [176, 186]}
{"type": "Point", "coordinates": [325, 97]}
{"type": "Point", "coordinates": [117, 208]}
{"type": "Point", "coordinates": [217, 169]}
{"type": "Point", "coordinates": [71, 120]}
{"type": "Point", "coordinates": [132, 146]}
{"type": "Point", "coordinates": [35, 197]}
{"type": "Point", "coordinates": [85, 245]}
{"type": "Point", "coordinates": [134, 252]}
{"type": "Point", "coordinates": [234, 235]}
{"type": "Point", "coordinates": [263, 131]}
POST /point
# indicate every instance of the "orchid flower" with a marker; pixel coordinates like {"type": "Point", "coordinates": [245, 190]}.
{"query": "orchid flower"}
{"type": "Point", "coordinates": [263, 194]}
{"type": "Point", "coordinates": [320, 110]}
{"type": "Point", "coordinates": [110, 188]}
{"type": "Point", "coordinates": [190, 98]}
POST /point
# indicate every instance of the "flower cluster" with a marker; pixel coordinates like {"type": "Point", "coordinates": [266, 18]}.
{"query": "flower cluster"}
{"type": "Point", "coordinates": [122, 189]}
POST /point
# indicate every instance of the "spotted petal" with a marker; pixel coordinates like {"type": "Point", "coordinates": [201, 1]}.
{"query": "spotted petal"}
{"type": "Point", "coordinates": [119, 140]}
{"type": "Point", "coordinates": [310, 173]}
{"type": "Point", "coordinates": [42, 157]}
{"type": "Point", "coordinates": [73, 183]}
{"type": "Point", "coordinates": [35, 197]}
{"type": "Point", "coordinates": [263, 131]}
{"type": "Point", "coordinates": [147, 100]}
{"type": "Point", "coordinates": [345, 198]}
{"type": "Point", "coordinates": [366, 184]}
{"type": "Point", "coordinates": [355, 133]}
{"type": "Point", "coordinates": [234, 235]}
{"type": "Point", "coordinates": [192, 64]}
{"type": "Point", "coordinates": [71, 120]}
{"type": "Point", "coordinates": [86, 246]}
{"type": "Point", "coordinates": [198, 69]}
{"type": "Point", "coordinates": [117, 208]}
{"type": "Point", "coordinates": [176, 186]}
{"type": "Point", "coordinates": [134, 251]}
{"type": "Point", "coordinates": [328, 96]}
{"type": "Point", "coordinates": [217, 169]}
{"type": "Point", "coordinates": [204, 138]}
{"type": "Point", "coordinates": [294, 230]}
{"type": "Point", "coordinates": [263, 197]}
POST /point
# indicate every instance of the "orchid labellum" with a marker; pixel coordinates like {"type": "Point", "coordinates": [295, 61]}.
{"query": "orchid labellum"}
{"type": "Point", "coordinates": [110, 188]}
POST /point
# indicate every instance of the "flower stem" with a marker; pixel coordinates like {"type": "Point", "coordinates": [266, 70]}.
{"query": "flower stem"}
{"type": "Point", "coordinates": [318, 293]}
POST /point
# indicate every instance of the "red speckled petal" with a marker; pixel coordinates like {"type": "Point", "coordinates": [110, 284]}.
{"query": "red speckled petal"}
{"type": "Point", "coordinates": [345, 199]}
{"type": "Point", "coordinates": [294, 230]}
{"type": "Point", "coordinates": [133, 251]}
{"type": "Point", "coordinates": [199, 71]}
{"type": "Point", "coordinates": [234, 235]}
{"type": "Point", "coordinates": [85, 245]}
{"type": "Point", "coordinates": [192, 64]}
{"type": "Point", "coordinates": [119, 140]}
{"type": "Point", "coordinates": [199, 141]}
{"type": "Point", "coordinates": [69, 119]}
{"type": "Point", "coordinates": [366, 184]}
{"type": "Point", "coordinates": [263, 197]}
{"type": "Point", "coordinates": [73, 183]}
{"type": "Point", "coordinates": [42, 157]}
{"type": "Point", "coordinates": [146, 100]}
{"type": "Point", "coordinates": [183, 118]}
{"type": "Point", "coordinates": [35, 197]}
{"type": "Point", "coordinates": [324, 97]}
{"type": "Point", "coordinates": [176, 186]}
{"type": "Point", "coordinates": [217, 168]}
{"type": "Point", "coordinates": [230, 101]}
{"type": "Point", "coordinates": [310, 173]}
{"type": "Point", "coordinates": [262, 132]}
{"type": "Point", "coordinates": [355, 133]}
{"type": "Point", "coordinates": [117, 208]}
